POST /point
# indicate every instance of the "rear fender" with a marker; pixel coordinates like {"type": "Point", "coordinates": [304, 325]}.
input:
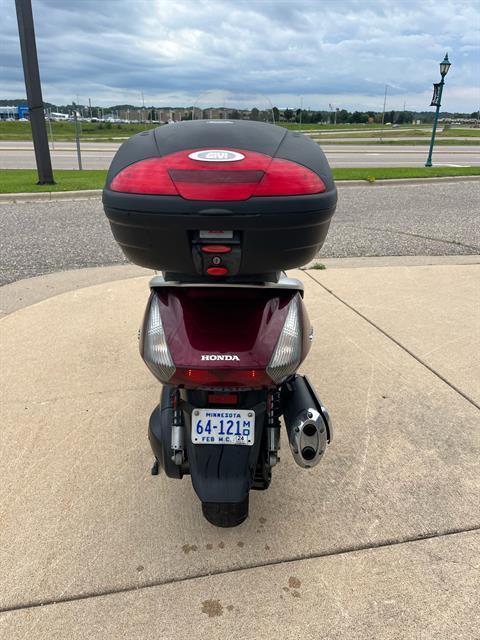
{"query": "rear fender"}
{"type": "Point", "coordinates": [224, 473]}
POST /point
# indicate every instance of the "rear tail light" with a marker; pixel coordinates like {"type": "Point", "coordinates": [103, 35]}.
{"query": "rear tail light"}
{"type": "Point", "coordinates": [288, 352]}
{"type": "Point", "coordinates": [147, 176]}
{"type": "Point", "coordinates": [226, 378]}
{"type": "Point", "coordinates": [153, 344]}
{"type": "Point", "coordinates": [256, 175]}
{"type": "Point", "coordinates": [286, 178]}
{"type": "Point", "coordinates": [222, 398]}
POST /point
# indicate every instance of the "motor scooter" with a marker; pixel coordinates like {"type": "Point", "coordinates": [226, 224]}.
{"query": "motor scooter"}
{"type": "Point", "coordinates": [225, 329]}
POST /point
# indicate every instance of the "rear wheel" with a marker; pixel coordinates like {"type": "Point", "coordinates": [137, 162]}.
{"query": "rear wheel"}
{"type": "Point", "coordinates": [226, 514]}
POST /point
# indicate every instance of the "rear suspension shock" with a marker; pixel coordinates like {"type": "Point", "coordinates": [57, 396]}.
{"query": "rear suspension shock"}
{"type": "Point", "coordinates": [273, 427]}
{"type": "Point", "coordinates": [178, 430]}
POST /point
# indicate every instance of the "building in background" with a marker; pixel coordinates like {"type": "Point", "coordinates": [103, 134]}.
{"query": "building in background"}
{"type": "Point", "coordinates": [14, 113]}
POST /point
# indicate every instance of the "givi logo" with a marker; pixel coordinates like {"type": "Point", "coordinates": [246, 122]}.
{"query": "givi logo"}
{"type": "Point", "coordinates": [216, 155]}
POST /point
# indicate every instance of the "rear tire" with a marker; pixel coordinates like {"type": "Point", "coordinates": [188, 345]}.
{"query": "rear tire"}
{"type": "Point", "coordinates": [226, 514]}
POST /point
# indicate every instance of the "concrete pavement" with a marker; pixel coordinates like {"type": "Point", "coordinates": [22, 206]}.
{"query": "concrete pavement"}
{"type": "Point", "coordinates": [337, 552]}
{"type": "Point", "coordinates": [432, 334]}
{"type": "Point", "coordinates": [420, 590]}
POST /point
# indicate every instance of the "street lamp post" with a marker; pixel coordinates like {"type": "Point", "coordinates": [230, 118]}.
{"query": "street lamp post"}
{"type": "Point", "coordinates": [436, 102]}
{"type": "Point", "coordinates": [271, 106]}
{"type": "Point", "coordinates": [33, 86]}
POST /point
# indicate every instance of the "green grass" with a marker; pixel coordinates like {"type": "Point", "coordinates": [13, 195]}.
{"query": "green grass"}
{"type": "Point", "coordinates": [464, 133]}
{"type": "Point", "coordinates": [371, 174]}
{"type": "Point", "coordinates": [337, 127]}
{"type": "Point", "coordinates": [442, 142]}
{"type": "Point", "coordinates": [66, 130]}
{"type": "Point", "coordinates": [105, 132]}
{"type": "Point", "coordinates": [409, 133]}
{"type": "Point", "coordinates": [24, 180]}
{"type": "Point", "coordinates": [387, 133]}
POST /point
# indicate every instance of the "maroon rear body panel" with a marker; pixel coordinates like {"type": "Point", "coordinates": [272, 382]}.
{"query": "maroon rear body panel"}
{"type": "Point", "coordinates": [245, 323]}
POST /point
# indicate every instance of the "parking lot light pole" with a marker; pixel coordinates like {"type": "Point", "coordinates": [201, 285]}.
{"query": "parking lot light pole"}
{"type": "Point", "coordinates": [34, 91]}
{"type": "Point", "coordinates": [436, 102]}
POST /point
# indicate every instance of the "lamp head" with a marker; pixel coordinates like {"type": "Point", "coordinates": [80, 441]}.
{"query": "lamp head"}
{"type": "Point", "coordinates": [444, 66]}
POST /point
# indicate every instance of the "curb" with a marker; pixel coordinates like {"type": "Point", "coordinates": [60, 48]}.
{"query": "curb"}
{"type": "Point", "coordinates": [95, 193]}
{"type": "Point", "coordinates": [29, 291]}
{"type": "Point", "coordinates": [399, 181]}
{"type": "Point", "coordinates": [51, 195]}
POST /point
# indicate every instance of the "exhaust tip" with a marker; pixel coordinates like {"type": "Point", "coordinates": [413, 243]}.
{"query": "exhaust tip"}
{"type": "Point", "coordinates": [309, 430]}
{"type": "Point", "coordinates": [308, 453]}
{"type": "Point", "coordinates": [307, 423]}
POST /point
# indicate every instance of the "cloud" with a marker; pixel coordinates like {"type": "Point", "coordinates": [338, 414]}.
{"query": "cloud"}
{"type": "Point", "coordinates": [176, 52]}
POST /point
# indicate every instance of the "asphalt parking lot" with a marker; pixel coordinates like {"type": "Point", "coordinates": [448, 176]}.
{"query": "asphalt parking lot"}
{"type": "Point", "coordinates": [392, 220]}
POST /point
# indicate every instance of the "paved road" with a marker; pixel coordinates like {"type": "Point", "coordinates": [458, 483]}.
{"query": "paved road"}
{"type": "Point", "coordinates": [386, 138]}
{"type": "Point", "coordinates": [419, 219]}
{"type": "Point", "coordinates": [97, 155]}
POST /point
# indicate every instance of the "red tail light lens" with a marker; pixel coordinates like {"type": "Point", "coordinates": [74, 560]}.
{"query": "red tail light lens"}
{"type": "Point", "coordinates": [286, 178]}
{"type": "Point", "coordinates": [222, 398]}
{"type": "Point", "coordinates": [221, 378]}
{"type": "Point", "coordinates": [147, 176]}
{"type": "Point", "coordinates": [255, 175]}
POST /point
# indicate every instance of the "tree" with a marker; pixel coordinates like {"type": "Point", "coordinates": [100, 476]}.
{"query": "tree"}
{"type": "Point", "coordinates": [358, 117]}
{"type": "Point", "coordinates": [254, 113]}
{"type": "Point", "coordinates": [276, 114]}
{"type": "Point", "coordinates": [288, 114]}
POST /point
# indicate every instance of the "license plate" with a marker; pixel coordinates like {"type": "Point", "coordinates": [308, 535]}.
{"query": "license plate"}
{"type": "Point", "coordinates": [223, 426]}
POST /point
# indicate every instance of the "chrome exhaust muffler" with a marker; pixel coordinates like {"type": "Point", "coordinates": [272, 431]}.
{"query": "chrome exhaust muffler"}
{"type": "Point", "coordinates": [307, 421]}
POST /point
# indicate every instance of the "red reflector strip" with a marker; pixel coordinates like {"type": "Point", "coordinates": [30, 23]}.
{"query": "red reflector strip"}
{"type": "Point", "coordinates": [216, 248]}
{"type": "Point", "coordinates": [205, 176]}
{"type": "Point", "coordinates": [217, 271]}
{"type": "Point", "coordinates": [221, 378]}
{"type": "Point", "coordinates": [217, 398]}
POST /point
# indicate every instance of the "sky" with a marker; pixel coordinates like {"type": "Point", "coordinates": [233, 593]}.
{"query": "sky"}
{"type": "Point", "coordinates": [244, 53]}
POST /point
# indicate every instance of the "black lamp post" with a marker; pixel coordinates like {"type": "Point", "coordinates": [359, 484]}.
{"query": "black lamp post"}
{"type": "Point", "coordinates": [436, 102]}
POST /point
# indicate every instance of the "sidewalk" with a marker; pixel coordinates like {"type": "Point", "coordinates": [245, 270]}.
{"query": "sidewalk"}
{"type": "Point", "coordinates": [379, 541]}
